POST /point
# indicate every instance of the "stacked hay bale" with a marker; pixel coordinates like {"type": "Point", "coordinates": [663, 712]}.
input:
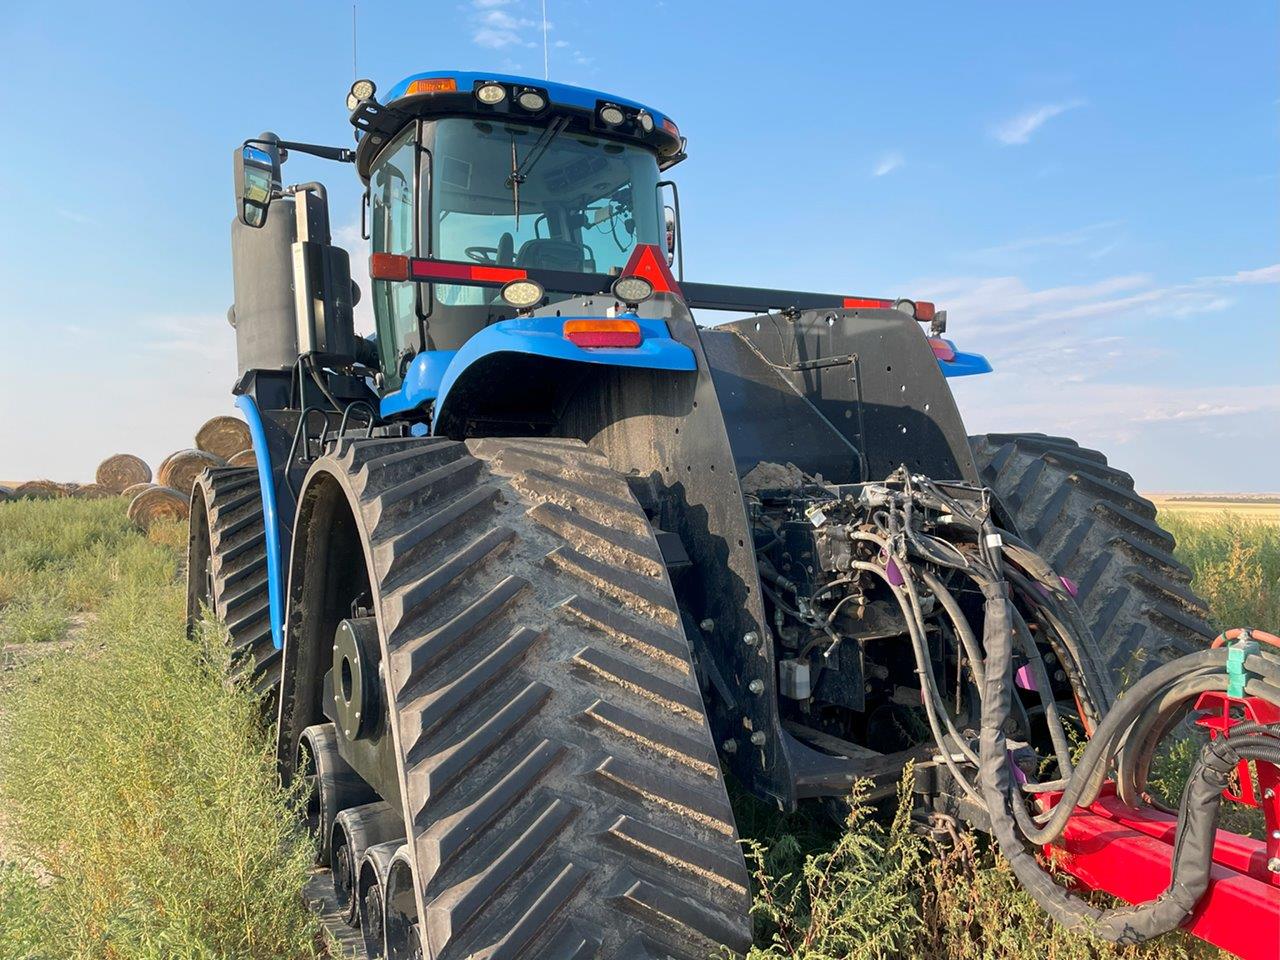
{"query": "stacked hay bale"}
{"type": "Point", "coordinates": [39, 490]}
{"type": "Point", "coordinates": [219, 442]}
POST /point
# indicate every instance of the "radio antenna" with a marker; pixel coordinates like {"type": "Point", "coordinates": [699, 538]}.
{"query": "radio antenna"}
{"type": "Point", "coordinates": [355, 64]}
{"type": "Point", "coordinates": [546, 57]}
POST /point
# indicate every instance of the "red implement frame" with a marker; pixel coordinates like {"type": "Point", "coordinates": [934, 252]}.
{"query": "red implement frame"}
{"type": "Point", "coordinates": [1128, 852]}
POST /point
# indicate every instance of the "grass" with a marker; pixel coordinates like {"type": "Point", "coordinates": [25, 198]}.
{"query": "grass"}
{"type": "Point", "coordinates": [61, 559]}
{"type": "Point", "coordinates": [1236, 562]}
{"type": "Point", "coordinates": [141, 813]}
{"type": "Point", "coordinates": [141, 817]}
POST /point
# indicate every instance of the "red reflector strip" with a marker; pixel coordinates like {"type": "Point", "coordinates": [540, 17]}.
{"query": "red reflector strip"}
{"type": "Point", "coordinates": [444, 270]}
{"type": "Point", "coordinates": [602, 333]}
{"type": "Point", "coordinates": [866, 303]}
{"type": "Point", "coordinates": [388, 266]}
{"type": "Point", "coordinates": [942, 349]}
{"type": "Point", "coordinates": [924, 310]}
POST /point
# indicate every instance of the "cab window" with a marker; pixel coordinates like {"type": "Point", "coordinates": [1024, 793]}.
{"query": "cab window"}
{"type": "Point", "coordinates": [581, 203]}
{"type": "Point", "coordinates": [391, 189]}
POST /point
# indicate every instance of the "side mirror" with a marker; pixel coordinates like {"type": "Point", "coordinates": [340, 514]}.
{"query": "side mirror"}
{"type": "Point", "coordinates": [669, 216]}
{"type": "Point", "coordinates": [257, 175]}
{"type": "Point", "coordinates": [671, 223]}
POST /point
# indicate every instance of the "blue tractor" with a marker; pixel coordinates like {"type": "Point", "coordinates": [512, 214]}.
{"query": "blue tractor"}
{"type": "Point", "coordinates": [526, 574]}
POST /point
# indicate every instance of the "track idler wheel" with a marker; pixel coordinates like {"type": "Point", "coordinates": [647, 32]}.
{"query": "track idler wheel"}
{"type": "Point", "coordinates": [399, 910]}
{"type": "Point", "coordinates": [371, 884]}
{"type": "Point", "coordinates": [354, 832]}
{"type": "Point", "coordinates": [333, 785]}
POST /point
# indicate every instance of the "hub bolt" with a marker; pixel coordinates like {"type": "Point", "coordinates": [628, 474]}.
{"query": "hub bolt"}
{"type": "Point", "coordinates": [756, 686]}
{"type": "Point", "coordinates": [758, 738]}
{"type": "Point", "coordinates": [729, 746]}
{"type": "Point", "coordinates": [707, 625]}
{"type": "Point", "coordinates": [751, 638]}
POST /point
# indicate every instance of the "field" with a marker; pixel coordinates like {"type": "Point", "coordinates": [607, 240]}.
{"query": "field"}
{"type": "Point", "coordinates": [139, 816]}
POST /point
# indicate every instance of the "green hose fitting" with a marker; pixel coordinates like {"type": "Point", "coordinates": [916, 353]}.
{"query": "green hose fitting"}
{"type": "Point", "coordinates": [1236, 673]}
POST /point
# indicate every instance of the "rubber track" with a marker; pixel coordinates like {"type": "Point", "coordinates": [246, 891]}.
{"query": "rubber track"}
{"type": "Point", "coordinates": [237, 541]}
{"type": "Point", "coordinates": [563, 790]}
{"type": "Point", "coordinates": [1086, 518]}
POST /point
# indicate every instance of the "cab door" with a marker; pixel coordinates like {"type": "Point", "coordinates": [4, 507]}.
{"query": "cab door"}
{"type": "Point", "coordinates": [393, 185]}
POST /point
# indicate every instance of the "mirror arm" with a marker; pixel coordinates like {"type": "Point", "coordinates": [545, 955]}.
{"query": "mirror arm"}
{"type": "Point", "coordinates": [340, 154]}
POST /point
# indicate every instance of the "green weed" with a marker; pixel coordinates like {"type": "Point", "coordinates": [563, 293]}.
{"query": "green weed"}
{"type": "Point", "coordinates": [136, 779]}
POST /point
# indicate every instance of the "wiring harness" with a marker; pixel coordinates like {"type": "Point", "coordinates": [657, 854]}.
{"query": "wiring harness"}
{"type": "Point", "coordinates": [921, 532]}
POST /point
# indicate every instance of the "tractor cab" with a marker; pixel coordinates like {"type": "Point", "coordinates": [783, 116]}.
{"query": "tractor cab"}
{"type": "Point", "coordinates": [501, 174]}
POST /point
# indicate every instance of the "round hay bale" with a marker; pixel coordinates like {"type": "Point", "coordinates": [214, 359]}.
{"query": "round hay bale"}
{"type": "Point", "coordinates": [69, 489]}
{"type": "Point", "coordinates": [122, 470]}
{"type": "Point", "coordinates": [224, 437]}
{"type": "Point", "coordinates": [5, 494]}
{"type": "Point", "coordinates": [158, 503]}
{"type": "Point", "coordinates": [245, 458]}
{"type": "Point", "coordinates": [38, 490]}
{"type": "Point", "coordinates": [93, 491]}
{"type": "Point", "coordinates": [133, 490]}
{"type": "Point", "coordinates": [180, 469]}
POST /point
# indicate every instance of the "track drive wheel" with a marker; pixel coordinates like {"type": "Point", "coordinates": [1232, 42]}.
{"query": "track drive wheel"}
{"type": "Point", "coordinates": [549, 749]}
{"type": "Point", "coordinates": [227, 570]}
{"type": "Point", "coordinates": [1085, 517]}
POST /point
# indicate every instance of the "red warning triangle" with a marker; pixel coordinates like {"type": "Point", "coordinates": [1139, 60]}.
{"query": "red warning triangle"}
{"type": "Point", "coordinates": [648, 263]}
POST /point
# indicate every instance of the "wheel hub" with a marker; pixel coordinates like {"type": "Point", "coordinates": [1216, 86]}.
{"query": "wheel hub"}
{"type": "Point", "coordinates": [355, 677]}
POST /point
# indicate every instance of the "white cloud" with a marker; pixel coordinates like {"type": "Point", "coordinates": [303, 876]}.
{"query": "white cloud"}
{"type": "Point", "coordinates": [1147, 429]}
{"type": "Point", "coordinates": [887, 164]}
{"type": "Point", "coordinates": [1018, 130]}
{"type": "Point", "coordinates": [1074, 333]}
{"type": "Point", "coordinates": [1064, 238]}
{"type": "Point", "coordinates": [1269, 274]}
{"type": "Point", "coordinates": [495, 39]}
{"type": "Point", "coordinates": [76, 216]}
{"type": "Point", "coordinates": [496, 29]}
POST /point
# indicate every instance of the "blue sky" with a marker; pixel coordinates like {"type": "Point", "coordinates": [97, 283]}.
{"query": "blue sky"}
{"type": "Point", "coordinates": [1089, 189]}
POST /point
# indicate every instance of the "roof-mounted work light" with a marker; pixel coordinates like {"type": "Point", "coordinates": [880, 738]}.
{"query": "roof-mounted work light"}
{"type": "Point", "coordinates": [361, 90]}
{"type": "Point", "coordinates": [532, 100]}
{"type": "Point", "coordinates": [491, 93]}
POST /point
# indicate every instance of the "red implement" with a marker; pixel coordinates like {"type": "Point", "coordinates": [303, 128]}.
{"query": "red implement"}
{"type": "Point", "coordinates": [1128, 852]}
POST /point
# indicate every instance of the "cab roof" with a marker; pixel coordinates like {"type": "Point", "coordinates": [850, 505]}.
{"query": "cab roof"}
{"type": "Point", "coordinates": [445, 93]}
{"type": "Point", "coordinates": [562, 93]}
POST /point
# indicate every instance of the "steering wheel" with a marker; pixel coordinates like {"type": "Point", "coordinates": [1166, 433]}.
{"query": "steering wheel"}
{"type": "Point", "coordinates": [482, 254]}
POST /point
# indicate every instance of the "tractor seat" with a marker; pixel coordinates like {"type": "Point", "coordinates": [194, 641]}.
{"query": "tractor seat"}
{"type": "Point", "coordinates": [547, 254]}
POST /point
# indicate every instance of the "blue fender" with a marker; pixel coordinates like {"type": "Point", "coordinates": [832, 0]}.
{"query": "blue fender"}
{"type": "Point", "coordinates": [270, 517]}
{"type": "Point", "coordinates": [433, 373]}
{"type": "Point", "coordinates": [964, 364]}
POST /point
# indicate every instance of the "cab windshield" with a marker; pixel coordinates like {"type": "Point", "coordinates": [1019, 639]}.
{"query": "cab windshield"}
{"type": "Point", "coordinates": [578, 203]}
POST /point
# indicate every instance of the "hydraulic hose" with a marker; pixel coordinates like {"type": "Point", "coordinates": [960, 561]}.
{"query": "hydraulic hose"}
{"type": "Point", "coordinates": [925, 672]}
{"type": "Point", "coordinates": [1124, 733]}
{"type": "Point", "coordinates": [1198, 813]}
